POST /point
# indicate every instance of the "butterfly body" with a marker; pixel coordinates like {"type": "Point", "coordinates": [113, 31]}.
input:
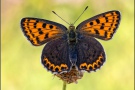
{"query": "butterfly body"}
{"type": "Point", "coordinates": [66, 48]}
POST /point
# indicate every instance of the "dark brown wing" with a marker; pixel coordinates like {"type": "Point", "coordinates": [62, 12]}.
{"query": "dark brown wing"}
{"type": "Point", "coordinates": [55, 56]}
{"type": "Point", "coordinates": [91, 55]}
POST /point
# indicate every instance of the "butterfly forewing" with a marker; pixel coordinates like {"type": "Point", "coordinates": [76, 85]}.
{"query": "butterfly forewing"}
{"type": "Point", "coordinates": [40, 31]}
{"type": "Point", "coordinates": [102, 26]}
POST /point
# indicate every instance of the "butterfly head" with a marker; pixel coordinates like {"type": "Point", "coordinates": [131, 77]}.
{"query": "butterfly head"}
{"type": "Point", "coordinates": [71, 27]}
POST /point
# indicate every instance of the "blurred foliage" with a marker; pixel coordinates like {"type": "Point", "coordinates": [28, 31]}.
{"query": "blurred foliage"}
{"type": "Point", "coordinates": [21, 68]}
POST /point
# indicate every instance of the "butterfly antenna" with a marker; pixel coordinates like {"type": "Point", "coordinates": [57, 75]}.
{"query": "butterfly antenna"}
{"type": "Point", "coordinates": [60, 17]}
{"type": "Point", "coordinates": [81, 14]}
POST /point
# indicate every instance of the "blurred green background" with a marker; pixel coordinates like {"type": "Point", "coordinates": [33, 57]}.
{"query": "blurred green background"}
{"type": "Point", "coordinates": [21, 67]}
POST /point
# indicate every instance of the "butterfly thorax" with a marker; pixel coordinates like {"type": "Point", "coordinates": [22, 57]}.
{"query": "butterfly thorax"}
{"type": "Point", "coordinates": [72, 35]}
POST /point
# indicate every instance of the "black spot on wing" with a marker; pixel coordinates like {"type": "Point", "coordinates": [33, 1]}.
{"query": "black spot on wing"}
{"type": "Point", "coordinates": [46, 35]}
{"type": "Point", "coordinates": [40, 31]}
{"type": "Point", "coordinates": [96, 31]}
{"type": "Point", "coordinates": [44, 25]}
{"type": "Point", "coordinates": [98, 21]}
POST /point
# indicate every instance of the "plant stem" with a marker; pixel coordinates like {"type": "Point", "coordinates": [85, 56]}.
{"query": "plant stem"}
{"type": "Point", "coordinates": [64, 86]}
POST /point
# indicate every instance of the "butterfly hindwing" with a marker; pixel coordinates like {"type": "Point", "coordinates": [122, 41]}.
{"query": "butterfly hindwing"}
{"type": "Point", "coordinates": [102, 26]}
{"type": "Point", "coordinates": [39, 31]}
{"type": "Point", "coordinates": [55, 56]}
{"type": "Point", "coordinates": [91, 55]}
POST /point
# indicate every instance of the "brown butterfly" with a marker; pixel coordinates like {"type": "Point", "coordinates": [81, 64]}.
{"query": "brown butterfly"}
{"type": "Point", "coordinates": [68, 47]}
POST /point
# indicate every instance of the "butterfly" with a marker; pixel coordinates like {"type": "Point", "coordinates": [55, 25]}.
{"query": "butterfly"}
{"type": "Point", "coordinates": [72, 47]}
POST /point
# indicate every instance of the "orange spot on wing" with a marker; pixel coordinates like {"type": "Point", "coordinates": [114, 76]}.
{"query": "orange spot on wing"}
{"type": "Point", "coordinates": [53, 67]}
{"type": "Point", "coordinates": [93, 66]}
